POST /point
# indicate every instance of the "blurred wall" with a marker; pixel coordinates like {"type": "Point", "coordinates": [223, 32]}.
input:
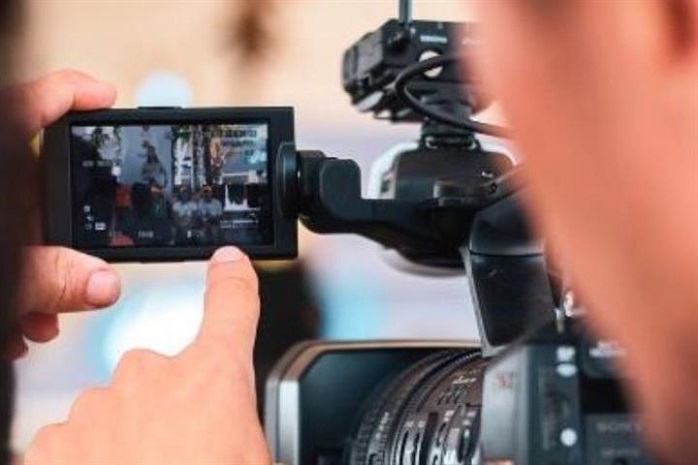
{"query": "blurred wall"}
{"type": "Point", "coordinates": [123, 41]}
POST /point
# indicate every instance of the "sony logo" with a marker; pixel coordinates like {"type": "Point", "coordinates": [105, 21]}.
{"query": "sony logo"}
{"type": "Point", "coordinates": [606, 350]}
{"type": "Point", "coordinates": [618, 427]}
{"type": "Point", "coordinates": [433, 39]}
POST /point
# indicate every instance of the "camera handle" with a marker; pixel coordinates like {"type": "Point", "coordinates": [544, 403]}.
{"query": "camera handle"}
{"type": "Point", "coordinates": [325, 193]}
{"type": "Point", "coordinates": [508, 277]}
{"type": "Point", "coordinates": [485, 231]}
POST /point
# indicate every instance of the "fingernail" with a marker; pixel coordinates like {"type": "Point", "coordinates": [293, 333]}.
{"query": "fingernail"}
{"type": "Point", "coordinates": [102, 288]}
{"type": "Point", "coordinates": [227, 254]}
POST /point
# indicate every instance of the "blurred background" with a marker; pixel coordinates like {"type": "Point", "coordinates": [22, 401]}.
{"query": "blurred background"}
{"type": "Point", "coordinates": [234, 52]}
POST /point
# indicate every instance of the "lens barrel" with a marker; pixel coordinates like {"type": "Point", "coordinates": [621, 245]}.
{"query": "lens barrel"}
{"type": "Point", "coordinates": [428, 414]}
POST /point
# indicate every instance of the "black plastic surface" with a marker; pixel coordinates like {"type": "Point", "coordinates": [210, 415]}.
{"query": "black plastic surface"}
{"type": "Point", "coordinates": [56, 176]}
{"type": "Point", "coordinates": [334, 389]}
{"type": "Point", "coordinates": [513, 295]}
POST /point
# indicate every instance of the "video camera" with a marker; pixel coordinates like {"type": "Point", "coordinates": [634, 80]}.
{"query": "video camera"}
{"type": "Point", "coordinates": [172, 184]}
{"type": "Point", "coordinates": [537, 390]}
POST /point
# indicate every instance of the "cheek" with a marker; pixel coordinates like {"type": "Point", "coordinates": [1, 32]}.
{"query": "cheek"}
{"type": "Point", "coordinates": [502, 47]}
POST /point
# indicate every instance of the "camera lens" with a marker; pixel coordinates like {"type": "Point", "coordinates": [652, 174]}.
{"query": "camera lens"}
{"type": "Point", "coordinates": [428, 414]}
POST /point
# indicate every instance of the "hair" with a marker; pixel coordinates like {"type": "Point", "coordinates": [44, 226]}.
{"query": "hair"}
{"type": "Point", "coordinates": [15, 161]}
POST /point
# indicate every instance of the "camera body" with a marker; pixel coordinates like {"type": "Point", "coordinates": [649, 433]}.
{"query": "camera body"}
{"type": "Point", "coordinates": [535, 390]}
{"type": "Point", "coordinates": [371, 65]}
{"type": "Point", "coordinates": [319, 393]}
{"type": "Point", "coordinates": [556, 399]}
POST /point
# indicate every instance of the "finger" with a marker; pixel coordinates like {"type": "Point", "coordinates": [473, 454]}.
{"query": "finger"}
{"type": "Point", "coordinates": [39, 327]}
{"type": "Point", "coordinates": [231, 307]}
{"type": "Point", "coordinates": [45, 100]}
{"type": "Point", "coordinates": [133, 368]}
{"type": "Point", "coordinates": [88, 405]}
{"type": "Point", "coordinates": [48, 446]}
{"type": "Point", "coordinates": [59, 280]}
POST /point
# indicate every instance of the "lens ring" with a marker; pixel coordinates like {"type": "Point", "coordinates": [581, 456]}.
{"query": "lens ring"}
{"type": "Point", "coordinates": [381, 436]}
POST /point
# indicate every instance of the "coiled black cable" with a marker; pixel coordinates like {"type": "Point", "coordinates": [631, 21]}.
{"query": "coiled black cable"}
{"type": "Point", "coordinates": [424, 66]}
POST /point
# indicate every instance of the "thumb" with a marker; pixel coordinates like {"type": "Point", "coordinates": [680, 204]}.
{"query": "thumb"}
{"type": "Point", "coordinates": [231, 307]}
{"type": "Point", "coordinates": [47, 99]}
{"type": "Point", "coordinates": [58, 280]}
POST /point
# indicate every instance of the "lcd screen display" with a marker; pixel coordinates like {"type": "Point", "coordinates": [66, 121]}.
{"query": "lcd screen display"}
{"type": "Point", "coordinates": [171, 185]}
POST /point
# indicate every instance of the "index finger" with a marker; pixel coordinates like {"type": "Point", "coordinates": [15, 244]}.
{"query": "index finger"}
{"type": "Point", "coordinates": [45, 100]}
{"type": "Point", "coordinates": [231, 304]}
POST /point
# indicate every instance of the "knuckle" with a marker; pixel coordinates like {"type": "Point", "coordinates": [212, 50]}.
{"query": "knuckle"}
{"type": "Point", "coordinates": [44, 445]}
{"type": "Point", "coordinates": [46, 434]}
{"type": "Point", "coordinates": [62, 271]}
{"type": "Point", "coordinates": [136, 363]}
{"type": "Point", "coordinates": [138, 358]}
{"type": "Point", "coordinates": [88, 403]}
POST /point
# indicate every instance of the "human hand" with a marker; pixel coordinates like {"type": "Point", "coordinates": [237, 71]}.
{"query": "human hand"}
{"type": "Point", "coordinates": [56, 280]}
{"type": "Point", "coordinates": [198, 407]}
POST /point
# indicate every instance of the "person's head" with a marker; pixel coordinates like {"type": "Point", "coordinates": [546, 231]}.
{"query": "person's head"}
{"type": "Point", "coordinates": [594, 80]}
{"type": "Point", "coordinates": [207, 193]}
{"type": "Point", "coordinates": [602, 98]}
{"type": "Point", "coordinates": [185, 194]}
{"type": "Point", "coordinates": [151, 154]}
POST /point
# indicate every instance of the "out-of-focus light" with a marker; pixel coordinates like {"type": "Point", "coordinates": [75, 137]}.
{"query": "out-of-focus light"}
{"type": "Point", "coordinates": [164, 88]}
{"type": "Point", "coordinates": [351, 307]}
{"type": "Point", "coordinates": [162, 317]}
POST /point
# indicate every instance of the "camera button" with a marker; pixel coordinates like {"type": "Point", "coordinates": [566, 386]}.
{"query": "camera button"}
{"type": "Point", "coordinates": [567, 370]}
{"type": "Point", "coordinates": [568, 437]}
